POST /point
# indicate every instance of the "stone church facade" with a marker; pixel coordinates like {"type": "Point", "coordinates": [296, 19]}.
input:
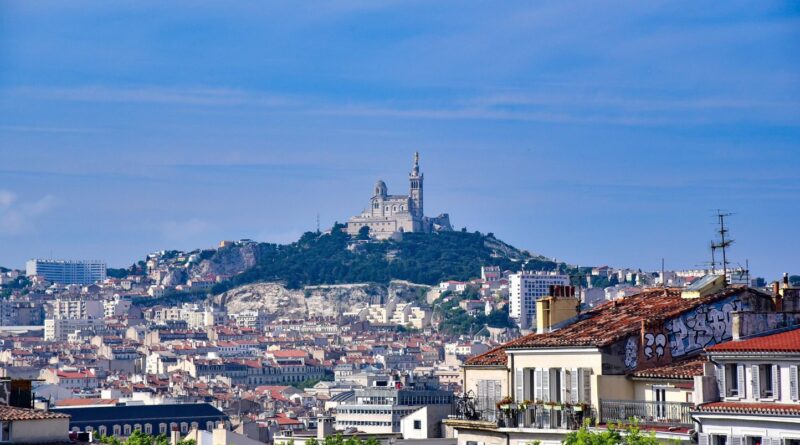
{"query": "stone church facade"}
{"type": "Point", "coordinates": [387, 215]}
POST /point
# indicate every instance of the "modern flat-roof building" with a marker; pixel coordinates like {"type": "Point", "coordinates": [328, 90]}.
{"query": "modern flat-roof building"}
{"type": "Point", "coordinates": [525, 288]}
{"type": "Point", "coordinates": [67, 271]}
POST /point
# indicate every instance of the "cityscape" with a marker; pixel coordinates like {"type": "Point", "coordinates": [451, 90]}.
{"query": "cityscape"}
{"type": "Point", "coordinates": [220, 265]}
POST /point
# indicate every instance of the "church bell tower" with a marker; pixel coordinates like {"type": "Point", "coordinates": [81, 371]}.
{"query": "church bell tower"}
{"type": "Point", "coordinates": [415, 194]}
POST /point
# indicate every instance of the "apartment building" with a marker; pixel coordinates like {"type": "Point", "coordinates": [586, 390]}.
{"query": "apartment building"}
{"type": "Point", "coordinates": [757, 386]}
{"type": "Point", "coordinates": [631, 357]}
{"type": "Point", "coordinates": [67, 272]}
{"type": "Point", "coordinates": [525, 288]}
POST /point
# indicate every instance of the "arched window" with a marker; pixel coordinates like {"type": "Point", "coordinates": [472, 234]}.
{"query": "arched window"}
{"type": "Point", "coordinates": [89, 429]}
{"type": "Point", "coordinates": [148, 428]}
{"type": "Point", "coordinates": [126, 430]}
{"type": "Point", "coordinates": [195, 426]}
{"type": "Point", "coordinates": [117, 430]}
{"type": "Point", "coordinates": [162, 428]}
{"type": "Point", "coordinates": [184, 427]}
{"type": "Point", "coordinates": [102, 430]}
{"type": "Point", "coordinates": [394, 208]}
{"type": "Point", "coordinates": [401, 208]}
{"type": "Point", "coordinates": [387, 208]}
{"type": "Point", "coordinates": [209, 426]}
{"type": "Point", "coordinates": [137, 426]}
{"type": "Point", "coordinates": [173, 426]}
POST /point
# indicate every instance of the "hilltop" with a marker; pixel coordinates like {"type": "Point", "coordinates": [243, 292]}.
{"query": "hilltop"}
{"type": "Point", "coordinates": [337, 258]}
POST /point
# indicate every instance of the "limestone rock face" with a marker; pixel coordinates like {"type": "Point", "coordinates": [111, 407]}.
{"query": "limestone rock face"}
{"type": "Point", "coordinates": [313, 301]}
{"type": "Point", "coordinates": [228, 261]}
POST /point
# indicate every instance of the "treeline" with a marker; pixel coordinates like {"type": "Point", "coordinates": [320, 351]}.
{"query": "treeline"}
{"type": "Point", "coordinates": [323, 258]}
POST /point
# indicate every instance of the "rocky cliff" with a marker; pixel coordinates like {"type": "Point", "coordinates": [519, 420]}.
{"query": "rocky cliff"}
{"type": "Point", "coordinates": [313, 301]}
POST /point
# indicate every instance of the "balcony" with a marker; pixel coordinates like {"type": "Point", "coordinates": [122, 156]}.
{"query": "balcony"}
{"type": "Point", "coordinates": [670, 414]}
{"type": "Point", "coordinates": [537, 416]}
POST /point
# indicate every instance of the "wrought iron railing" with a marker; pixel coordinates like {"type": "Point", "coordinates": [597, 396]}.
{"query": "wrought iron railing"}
{"type": "Point", "coordinates": [646, 412]}
{"type": "Point", "coordinates": [534, 416]}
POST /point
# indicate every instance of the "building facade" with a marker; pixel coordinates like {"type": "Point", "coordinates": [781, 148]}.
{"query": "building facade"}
{"type": "Point", "coordinates": [525, 288]}
{"type": "Point", "coordinates": [388, 214]}
{"type": "Point", "coordinates": [67, 272]}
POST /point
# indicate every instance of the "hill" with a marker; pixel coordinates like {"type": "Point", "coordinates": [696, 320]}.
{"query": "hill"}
{"type": "Point", "coordinates": [336, 258]}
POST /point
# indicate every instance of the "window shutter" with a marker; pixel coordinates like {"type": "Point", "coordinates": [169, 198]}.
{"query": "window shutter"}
{"type": "Point", "coordinates": [526, 390]}
{"type": "Point", "coordinates": [537, 384]}
{"type": "Point", "coordinates": [565, 386]}
{"type": "Point", "coordinates": [702, 439]}
{"type": "Point", "coordinates": [721, 381]}
{"type": "Point", "coordinates": [756, 382]}
{"type": "Point", "coordinates": [574, 386]}
{"type": "Point", "coordinates": [546, 384]}
{"type": "Point", "coordinates": [586, 384]}
{"type": "Point", "coordinates": [741, 387]}
{"type": "Point", "coordinates": [498, 393]}
{"type": "Point", "coordinates": [736, 440]}
{"type": "Point", "coordinates": [482, 394]}
{"type": "Point", "coordinates": [776, 382]}
{"type": "Point", "coordinates": [519, 383]}
{"type": "Point", "coordinates": [793, 381]}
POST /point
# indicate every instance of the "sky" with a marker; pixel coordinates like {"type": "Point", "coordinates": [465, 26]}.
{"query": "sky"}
{"type": "Point", "coordinates": [591, 132]}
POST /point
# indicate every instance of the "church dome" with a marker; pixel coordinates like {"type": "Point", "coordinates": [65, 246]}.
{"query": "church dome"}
{"type": "Point", "coordinates": [380, 188]}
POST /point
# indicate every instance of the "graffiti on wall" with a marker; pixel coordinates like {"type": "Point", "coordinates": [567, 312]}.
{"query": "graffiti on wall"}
{"type": "Point", "coordinates": [703, 326]}
{"type": "Point", "coordinates": [631, 352]}
{"type": "Point", "coordinates": [655, 345]}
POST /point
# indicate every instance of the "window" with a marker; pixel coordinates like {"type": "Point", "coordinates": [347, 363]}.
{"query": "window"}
{"type": "Point", "coordinates": [148, 428]}
{"type": "Point", "coordinates": [766, 381]}
{"type": "Point", "coordinates": [730, 379]}
{"type": "Point", "coordinates": [5, 431]}
{"type": "Point", "coordinates": [753, 440]}
{"type": "Point", "coordinates": [184, 427]}
{"type": "Point", "coordinates": [660, 396]}
{"type": "Point", "coordinates": [417, 424]}
{"type": "Point", "coordinates": [127, 430]}
{"type": "Point", "coordinates": [117, 430]}
{"type": "Point", "coordinates": [162, 428]}
{"type": "Point", "coordinates": [209, 426]}
{"type": "Point", "coordinates": [102, 430]}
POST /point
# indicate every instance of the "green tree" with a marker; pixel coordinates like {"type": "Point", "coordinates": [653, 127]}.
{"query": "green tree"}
{"type": "Point", "coordinates": [363, 233]}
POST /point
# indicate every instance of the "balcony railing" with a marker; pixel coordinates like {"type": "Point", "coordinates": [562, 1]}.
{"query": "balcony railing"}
{"type": "Point", "coordinates": [534, 416]}
{"type": "Point", "coordinates": [647, 412]}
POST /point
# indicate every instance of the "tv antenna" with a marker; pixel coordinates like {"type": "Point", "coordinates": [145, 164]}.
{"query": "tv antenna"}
{"type": "Point", "coordinates": [723, 244]}
{"type": "Point", "coordinates": [317, 222]}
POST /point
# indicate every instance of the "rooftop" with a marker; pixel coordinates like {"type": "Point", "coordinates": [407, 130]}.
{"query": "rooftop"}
{"type": "Point", "coordinates": [788, 341]}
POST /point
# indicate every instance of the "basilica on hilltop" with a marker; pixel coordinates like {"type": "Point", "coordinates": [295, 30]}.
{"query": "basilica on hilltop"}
{"type": "Point", "coordinates": [388, 215]}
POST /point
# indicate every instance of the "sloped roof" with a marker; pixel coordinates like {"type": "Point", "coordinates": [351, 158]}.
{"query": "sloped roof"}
{"type": "Point", "coordinates": [788, 341]}
{"type": "Point", "coordinates": [614, 320]}
{"type": "Point", "coordinates": [677, 370]}
{"type": "Point", "coordinates": [607, 323]}
{"type": "Point", "coordinates": [14, 413]}
{"type": "Point", "coordinates": [786, 409]}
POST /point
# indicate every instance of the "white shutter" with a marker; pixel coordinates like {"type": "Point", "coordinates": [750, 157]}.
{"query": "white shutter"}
{"type": "Point", "coordinates": [741, 386]}
{"type": "Point", "coordinates": [736, 440]}
{"type": "Point", "coordinates": [565, 386]}
{"type": "Point", "coordinates": [721, 381]}
{"type": "Point", "coordinates": [519, 382]}
{"type": "Point", "coordinates": [574, 386]}
{"type": "Point", "coordinates": [793, 381]}
{"type": "Point", "coordinates": [776, 382]}
{"type": "Point", "coordinates": [526, 390]}
{"type": "Point", "coordinates": [482, 394]}
{"type": "Point", "coordinates": [537, 384]}
{"type": "Point", "coordinates": [756, 382]}
{"type": "Point", "coordinates": [702, 439]}
{"type": "Point", "coordinates": [546, 384]}
{"type": "Point", "coordinates": [586, 384]}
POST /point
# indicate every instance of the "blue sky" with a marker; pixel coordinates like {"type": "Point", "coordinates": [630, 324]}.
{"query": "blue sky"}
{"type": "Point", "coordinates": [597, 133]}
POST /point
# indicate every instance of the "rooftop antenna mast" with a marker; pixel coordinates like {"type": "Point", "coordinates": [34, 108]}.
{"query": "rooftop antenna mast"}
{"type": "Point", "coordinates": [723, 242]}
{"type": "Point", "coordinates": [713, 258]}
{"type": "Point", "coordinates": [317, 222]}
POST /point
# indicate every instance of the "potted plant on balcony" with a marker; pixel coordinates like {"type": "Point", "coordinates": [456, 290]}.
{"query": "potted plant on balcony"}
{"type": "Point", "coordinates": [522, 411]}
{"type": "Point", "coordinates": [504, 406]}
{"type": "Point", "coordinates": [549, 405]}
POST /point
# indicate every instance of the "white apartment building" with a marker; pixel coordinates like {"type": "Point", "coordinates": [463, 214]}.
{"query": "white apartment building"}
{"type": "Point", "coordinates": [67, 272]}
{"type": "Point", "coordinates": [759, 400]}
{"type": "Point", "coordinates": [59, 329]}
{"type": "Point", "coordinates": [525, 288]}
{"type": "Point", "coordinates": [76, 308]}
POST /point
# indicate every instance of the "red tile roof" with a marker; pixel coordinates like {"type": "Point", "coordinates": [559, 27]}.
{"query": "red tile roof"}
{"type": "Point", "coordinates": [614, 320]}
{"type": "Point", "coordinates": [14, 413]}
{"type": "Point", "coordinates": [493, 357]}
{"type": "Point", "coordinates": [678, 370]}
{"type": "Point", "coordinates": [751, 408]}
{"type": "Point", "coordinates": [788, 341]}
{"type": "Point", "coordinates": [84, 402]}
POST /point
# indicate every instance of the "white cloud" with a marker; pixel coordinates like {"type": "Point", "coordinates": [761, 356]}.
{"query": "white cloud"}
{"type": "Point", "coordinates": [17, 217]}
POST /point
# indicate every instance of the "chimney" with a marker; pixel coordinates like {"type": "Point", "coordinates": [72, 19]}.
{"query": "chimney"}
{"type": "Point", "coordinates": [785, 280]}
{"type": "Point", "coordinates": [175, 436]}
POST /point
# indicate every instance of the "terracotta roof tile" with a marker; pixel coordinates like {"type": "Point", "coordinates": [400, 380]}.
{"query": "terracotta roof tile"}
{"type": "Point", "coordinates": [751, 408]}
{"type": "Point", "coordinates": [14, 413]}
{"type": "Point", "coordinates": [788, 341]}
{"type": "Point", "coordinates": [678, 370]}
